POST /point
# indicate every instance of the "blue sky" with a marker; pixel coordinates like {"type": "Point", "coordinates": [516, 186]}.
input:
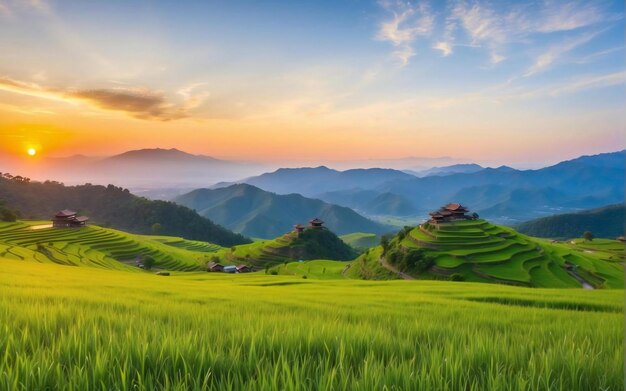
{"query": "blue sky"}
{"type": "Point", "coordinates": [510, 82]}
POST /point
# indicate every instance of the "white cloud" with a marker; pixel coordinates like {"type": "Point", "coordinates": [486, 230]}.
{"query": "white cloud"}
{"type": "Point", "coordinates": [408, 22]}
{"type": "Point", "coordinates": [445, 47]}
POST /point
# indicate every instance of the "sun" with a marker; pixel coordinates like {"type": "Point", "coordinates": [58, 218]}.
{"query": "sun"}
{"type": "Point", "coordinates": [31, 151]}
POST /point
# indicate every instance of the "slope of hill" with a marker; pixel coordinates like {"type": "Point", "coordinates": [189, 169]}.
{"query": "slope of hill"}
{"type": "Point", "coordinates": [361, 240]}
{"type": "Point", "coordinates": [112, 206]}
{"type": "Point", "coordinates": [606, 222]}
{"type": "Point", "coordinates": [99, 247]}
{"type": "Point", "coordinates": [261, 214]}
{"type": "Point", "coordinates": [309, 245]}
{"type": "Point", "coordinates": [482, 252]}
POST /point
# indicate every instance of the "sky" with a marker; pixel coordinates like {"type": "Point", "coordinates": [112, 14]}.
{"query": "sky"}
{"type": "Point", "coordinates": [522, 83]}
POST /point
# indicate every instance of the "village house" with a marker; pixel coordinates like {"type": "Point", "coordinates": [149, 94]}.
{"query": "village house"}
{"type": "Point", "coordinates": [214, 267]}
{"type": "Point", "coordinates": [68, 219]}
{"type": "Point", "coordinates": [243, 269]}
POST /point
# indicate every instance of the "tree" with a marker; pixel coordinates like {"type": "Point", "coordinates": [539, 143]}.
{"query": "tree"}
{"type": "Point", "coordinates": [588, 236]}
{"type": "Point", "coordinates": [156, 228]}
{"type": "Point", "coordinates": [7, 215]}
{"type": "Point", "coordinates": [148, 262]}
{"type": "Point", "coordinates": [384, 242]}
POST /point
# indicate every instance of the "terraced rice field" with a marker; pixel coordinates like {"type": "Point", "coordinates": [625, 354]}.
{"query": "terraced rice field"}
{"type": "Point", "coordinates": [480, 251]}
{"type": "Point", "coordinates": [99, 247]}
{"type": "Point", "coordinates": [261, 253]}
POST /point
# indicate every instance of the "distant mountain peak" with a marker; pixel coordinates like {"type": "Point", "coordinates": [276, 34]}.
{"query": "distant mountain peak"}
{"type": "Point", "coordinates": [160, 153]}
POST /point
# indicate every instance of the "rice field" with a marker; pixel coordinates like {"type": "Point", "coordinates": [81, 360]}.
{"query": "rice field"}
{"type": "Point", "coordinates": [482, 252]}
{"type": "Point", "coordinates": [99, 247]}
{"type": "Point", "coordinates": [86, 328]}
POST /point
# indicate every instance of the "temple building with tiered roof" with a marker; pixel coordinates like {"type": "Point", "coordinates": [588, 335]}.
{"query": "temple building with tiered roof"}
{"type": "Point", "coordinates": [449, 213]}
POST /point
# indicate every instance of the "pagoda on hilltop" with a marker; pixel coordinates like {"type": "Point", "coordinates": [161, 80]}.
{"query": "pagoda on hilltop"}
{"type": "Point", "coordinates": [316, 223]}
{"type": "Point", "coordinates": [450, 212]}
{"type": "Point", "coordinates": [313, 224]}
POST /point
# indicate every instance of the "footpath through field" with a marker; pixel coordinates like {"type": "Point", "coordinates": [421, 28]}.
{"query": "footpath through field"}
{"type": "Point", "coordinates": [388, 266]}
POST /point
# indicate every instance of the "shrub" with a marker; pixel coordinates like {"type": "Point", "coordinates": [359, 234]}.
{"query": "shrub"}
{"type": "Point", "coordinates": [457, 277]}
{"type": "Point", "coordinates": [148, 262]}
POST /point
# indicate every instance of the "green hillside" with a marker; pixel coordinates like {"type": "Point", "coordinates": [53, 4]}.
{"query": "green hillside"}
{"type": "Point", "coordinates": [482, 252]}
{"type": "Point", "coordinates": [100, 247]}
{"type": "Point", "coordinates": [311, 244]}
{"type": "Point", "coordinates": [113, 207]}
{"type": "Point", "coordinates": [81, 328]}
{"type": "Point", "coordinates": [360, 240]}
{"type": "Point", "coordinates": [607, 222]}
{"type": "Point", "coordinates": [261, 214]}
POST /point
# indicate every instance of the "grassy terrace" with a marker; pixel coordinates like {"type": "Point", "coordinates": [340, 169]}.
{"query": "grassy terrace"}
{"type": "Point", "coordinates": [480, 251]}
{"type": "Point", "coordinates": [84, 328]}
{"type": "Point", "coordinates": [99, 247]}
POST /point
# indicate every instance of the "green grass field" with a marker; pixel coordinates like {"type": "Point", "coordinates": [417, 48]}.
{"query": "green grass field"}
{"type": "Point", "coordinates": [482, 252]}
{"type": "Point", "coordinates": [318, 269]}
{"type": "Point", "coordinates": [85, 328]}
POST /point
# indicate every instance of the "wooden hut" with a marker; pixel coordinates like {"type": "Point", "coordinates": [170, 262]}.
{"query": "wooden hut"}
{"type": "Point", "coordinates": [67, 218]}
{"type": "Point", "coordinates": [214, 267]}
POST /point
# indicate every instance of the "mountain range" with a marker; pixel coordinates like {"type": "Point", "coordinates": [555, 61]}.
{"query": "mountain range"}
{"type": "Point", "coordinates": [138, 169]}
{"type": "Point", "coordinates": [503, 194]}
{"type": "Point", "coordinates": [257, 213]}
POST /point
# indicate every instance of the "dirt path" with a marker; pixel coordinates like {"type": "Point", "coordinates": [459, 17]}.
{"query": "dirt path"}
{"type": "Point", "coordinates": [391, 268]}
{"type": "Point", "coordinates": [345, 270]}
{"type": "Point", "coordinates": [582, 281]}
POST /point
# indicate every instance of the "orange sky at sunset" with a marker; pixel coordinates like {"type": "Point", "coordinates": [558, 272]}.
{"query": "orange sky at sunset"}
{"type": "Point", "coordinates": [382, 80]}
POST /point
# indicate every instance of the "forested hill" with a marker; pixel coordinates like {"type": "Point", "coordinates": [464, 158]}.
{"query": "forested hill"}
{"type": "Point", "coordinates": [113, 207]}
{"type": "Point", "coordinates": [606, 222]}
{"type": "Point", "coordinates": [261, 214]}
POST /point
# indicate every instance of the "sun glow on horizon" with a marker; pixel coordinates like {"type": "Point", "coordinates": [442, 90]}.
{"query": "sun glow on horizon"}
{"type": "Point", "coordinates": [31, 151]}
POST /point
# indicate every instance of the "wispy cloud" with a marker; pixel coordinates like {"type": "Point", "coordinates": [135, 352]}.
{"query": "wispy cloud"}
{"type": "Point", "coordinates": [408, 21]}
{"type": "Point", "coordinates": [487, 25]}
{"type": "Point", "coordinates": [570, 15]}
{"type": "Point", "coordinates": [139, 103]}
{"type": "Point", "coordinates": [546, 59]}
{"type": "Point", "coordinates": [506, 92]}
